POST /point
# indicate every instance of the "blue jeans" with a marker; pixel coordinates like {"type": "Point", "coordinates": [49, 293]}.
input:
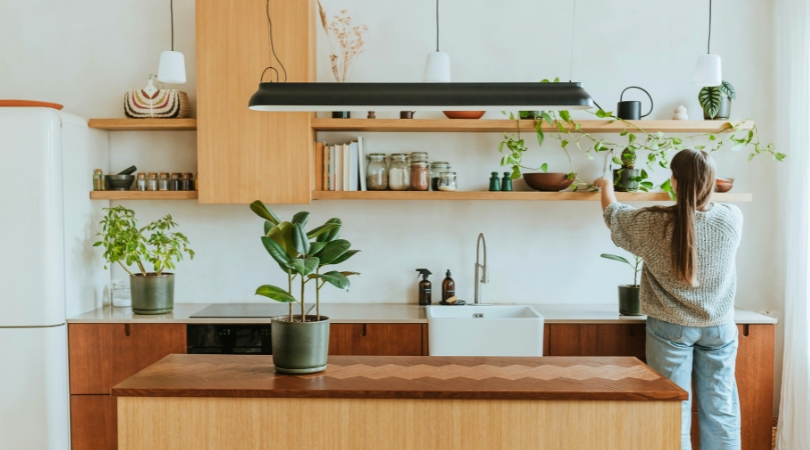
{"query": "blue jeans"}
{"type": "Point", "coordinates": [706, 356]}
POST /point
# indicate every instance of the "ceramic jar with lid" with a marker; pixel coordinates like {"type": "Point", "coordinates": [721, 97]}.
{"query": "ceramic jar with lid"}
{"type": "Point", "coordinates": [399, 172]}
{"type": "Point", "coordinates": [420, 176]}
{"type": "Point", "coordinates": [376, 172]}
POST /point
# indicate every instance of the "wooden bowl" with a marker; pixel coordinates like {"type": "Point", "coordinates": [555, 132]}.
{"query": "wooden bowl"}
{"type": "Point", "coordinates": [464, 114]}
{"type": "Point", "coordinates": [723, 184]}
{"type": "Point", "coordinates": [548, 182]}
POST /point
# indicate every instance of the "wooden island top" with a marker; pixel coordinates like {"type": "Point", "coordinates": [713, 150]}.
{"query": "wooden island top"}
{"type": "Point", "coordinates": [397, 377]}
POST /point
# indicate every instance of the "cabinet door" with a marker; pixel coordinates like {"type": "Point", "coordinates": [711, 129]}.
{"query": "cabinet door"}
{"type": "Point", "coordinates": [375, 339]}
{"type": "Point", "coordinates": [93, 422]}
{"type": "Point", "coordinates": [597, 340]}
{"type": "Point", "coordinates": [103, 355]}
{"type": "Point", "coordinates": [755, 366]}
{"type": "Point", "coordinates": [246, 155]}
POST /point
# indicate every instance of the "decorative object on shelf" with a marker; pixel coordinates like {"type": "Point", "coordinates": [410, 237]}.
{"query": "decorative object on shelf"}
{"type": "Point", "coordinates": [140, 182]}
{"type": "Point", "coordinates": [126, 244]}
{"type": "Point", "coordinates": [506, 182]}
{"type": "Point", "coordinates": [172, 67]}
{"type": "Point", "coordinates": [494, 182]}
{"type": "Point", "coordinates": [437, 65]}
{"type": "Point", "coordinates": [680, 113]}
{"type": "Point", "coordinates": [341, 115]}
{"type": "Point", "coordinates": [723, 184]}
{"type": "Point", "coordinates": [371, 115]}
{"type": "Point", "coordinates": [631, 109]}
{"type": "Point", "coordinates": [119, 182]}
{"type": "Point", "coordinates": [464, 114]}
{"type": "Point", "coordinates": [29, 104]}
{"type": "Point", "coordinates": [629, 301]}
{"type": "Point", "coordinates": [436, 169]}
{"type": "Point", "coordinates": [301, 343]}
{"type": "Point", "coordinates": [716, 101]}
{"type": "Point", "coordinates": [548, 181]}
{"type": "Point", "coordinates": [399, 178]}
{"type": "Point", "coordinates": [627, 178]}
{"type": "Point", "coordinates": [708, 70]}
{"type": "Point", "coordinates": [406, 114]}
{"type": "Point", "coordinates": [420, 176]}
{"type": "Point", "coordinates": [448, 182]}
{"type": "Point", "coordinates": [376, 173]}
{"type": "Point", "coordinates": [153, 103]}
{"type": "Point", "coordinates": [98, 180]}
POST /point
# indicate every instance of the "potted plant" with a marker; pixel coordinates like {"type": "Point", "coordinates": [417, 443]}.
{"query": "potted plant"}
{"type": "Point", "coordinates": [627, 178]}
{"type": "Point", "coordinates": [716, 101]}
{"type": "Point", "coordinates": [126, 244]}
{"type": "Point", "coordinates": [629, 302]}
{"type": "Point", "coordinates": [301, 342]}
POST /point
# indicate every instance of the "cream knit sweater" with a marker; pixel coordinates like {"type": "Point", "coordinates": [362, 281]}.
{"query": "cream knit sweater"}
{"type": "Point", "coordinates": [646, 234]}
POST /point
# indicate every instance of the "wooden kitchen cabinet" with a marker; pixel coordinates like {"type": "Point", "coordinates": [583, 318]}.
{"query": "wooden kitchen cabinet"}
{"type": "Point", "coordinates": [246, 155]}
{"type": "Point", "coordinates": [375, 339]}
{"type": "Point", "coordinates": [93, 422]}
{"type": "Point", "coordinates": [597, 340]}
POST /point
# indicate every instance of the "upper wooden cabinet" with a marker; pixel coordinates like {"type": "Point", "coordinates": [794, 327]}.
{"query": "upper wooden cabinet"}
{"type": "Point", "coordinates": [246, 155]}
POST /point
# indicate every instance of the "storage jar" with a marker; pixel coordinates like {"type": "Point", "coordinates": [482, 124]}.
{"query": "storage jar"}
{"type": "Point", "coordinates": [376, 173]}
{"type": "Point", "coordinates": [399, 173]}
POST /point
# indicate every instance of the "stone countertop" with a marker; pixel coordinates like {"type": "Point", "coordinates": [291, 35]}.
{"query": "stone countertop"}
{"type": "Point", "coordinates": [387, 313]}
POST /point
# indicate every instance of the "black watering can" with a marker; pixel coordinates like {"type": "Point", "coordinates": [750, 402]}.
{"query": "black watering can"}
{"type": "Point", "coordinates": [631, 109]}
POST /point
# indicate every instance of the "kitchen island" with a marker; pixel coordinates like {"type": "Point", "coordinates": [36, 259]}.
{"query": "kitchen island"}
{"type": "Point", "coordinates": [372, 402]}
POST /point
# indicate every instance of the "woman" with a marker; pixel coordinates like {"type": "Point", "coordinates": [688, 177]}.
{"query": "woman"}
{"type": "Point", "coordinates": [687, 292]}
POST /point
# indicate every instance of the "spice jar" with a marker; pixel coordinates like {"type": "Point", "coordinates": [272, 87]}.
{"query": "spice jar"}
{"type": "Point", "coordinates": [140, 182]}
{"type": "Point", "coordinates": [399, 173]}
{"type": "Point", "coordinates": [163, 182]}
{"type": "Point", "coordinates": [419, 156]}
{"type": "Point", "coordinates": [152, 182]}
{"type": "Point", "coordinates": [447, 182]}
{"type": "Point", "coordinates": [436, 169]}
{"type": "Point", "coordinates": [376, 173]}
{"type": "Point", "coordinates": [174, 182]}
{"type": "Point", "coordinates": [185, 182]}
{"type": "Point", "coordinates": [98, 180]}
{"type": "Point", "coordinates": [420, 176]}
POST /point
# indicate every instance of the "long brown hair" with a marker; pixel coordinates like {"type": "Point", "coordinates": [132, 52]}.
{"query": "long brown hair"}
{"type": "Point", "coordinates": [694, 174]}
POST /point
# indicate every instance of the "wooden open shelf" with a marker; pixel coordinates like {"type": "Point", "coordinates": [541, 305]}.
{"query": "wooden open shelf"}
{"type": "Point", "coordinates": [510, 126]}
{"type": "Point", "coordinates": [143, 195]}
{"type": "Point", "coordinates": [143, 124]}
{"type": "Point", "coordinates": [531, 195]}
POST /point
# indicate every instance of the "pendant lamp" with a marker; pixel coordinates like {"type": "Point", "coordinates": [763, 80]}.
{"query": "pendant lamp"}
{"type": "Point", "coordinates": [708, 70]}
{"type": "Point", "coordinates": [172, 67]}
{"type": "Point", "coordinates": [437, 66]}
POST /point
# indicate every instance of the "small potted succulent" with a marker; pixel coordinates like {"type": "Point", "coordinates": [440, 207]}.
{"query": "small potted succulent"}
{"type": "Point", "coordinates": [716, 101]}
{"type": "Point", "coordinates": [126, 244]}
{"type": "Point", "coordinates": [627, 178]}
{"type": "Point", "coordinates": [629, 301]}
{"type": "Point", "coordinates": [301, 342]}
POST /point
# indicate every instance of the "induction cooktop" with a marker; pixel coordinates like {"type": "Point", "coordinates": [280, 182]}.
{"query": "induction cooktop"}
{"type": "Point", "coordinates": [244, 311]}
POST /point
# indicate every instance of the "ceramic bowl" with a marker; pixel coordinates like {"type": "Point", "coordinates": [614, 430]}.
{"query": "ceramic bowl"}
{"type": "Point", "coordinates": [548, 182]}
{"type": "Point", "coordinates": [119, 182]}
{"type": "Point", "coordinates": [464, 114]}
{"type": "Point", "coordinates": [723, 184]}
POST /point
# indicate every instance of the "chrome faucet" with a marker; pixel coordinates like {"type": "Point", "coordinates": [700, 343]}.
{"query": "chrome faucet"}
{"type": "Point", "coordinates": [480, 269]}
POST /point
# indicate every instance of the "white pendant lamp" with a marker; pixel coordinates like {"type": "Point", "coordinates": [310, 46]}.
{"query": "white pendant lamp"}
{"type": "Point", "coordinates": [172, 68]}
{"type": "Point", "coordinates": [437, 66]}
{"type": "Point", "coordinates": [708, 70]}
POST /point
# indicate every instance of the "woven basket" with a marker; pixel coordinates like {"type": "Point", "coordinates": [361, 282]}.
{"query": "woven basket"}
{"type": "Point", "coordinates": [162, 104]}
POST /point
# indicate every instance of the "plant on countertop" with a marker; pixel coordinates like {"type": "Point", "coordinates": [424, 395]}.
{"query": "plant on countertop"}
{"type": "Point", "coordinates": [711, 97]}
{"type": "Point", "coordinates": [126, 244]}
{"type": "Point", "coordinates": [636, 265]}
{"type": "Point", "coordinates": [302, 255]}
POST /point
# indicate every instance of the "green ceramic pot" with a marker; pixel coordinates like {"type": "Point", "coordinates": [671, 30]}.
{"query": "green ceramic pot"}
{"type": "Point", "coordinates": [152, 294]}
{"type": "Point", "coordinates": [623, 179]}
{"type": "Point", "coordinates": [300, 347]}
{"type": "Point", "coordinates": [629, 301]}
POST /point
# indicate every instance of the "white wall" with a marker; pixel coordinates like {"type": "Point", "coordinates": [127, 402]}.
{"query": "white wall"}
{"type": "Point", "coordinates": [86, 53]}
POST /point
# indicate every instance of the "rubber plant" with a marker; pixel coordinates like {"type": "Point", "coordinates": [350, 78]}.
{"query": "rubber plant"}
{"type": "Point", "coordinates": [636, 265]}
{"type": "Point", "coordinates": [303, 256]}
{"type": "Point", "coordinates": [710, 97]}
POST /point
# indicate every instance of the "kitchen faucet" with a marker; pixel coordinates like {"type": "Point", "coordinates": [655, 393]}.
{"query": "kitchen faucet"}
{"type": "Point", "coordinates": [480, 270]}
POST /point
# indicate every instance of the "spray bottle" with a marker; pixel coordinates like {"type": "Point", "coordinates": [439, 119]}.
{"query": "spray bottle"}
{"type": "Point", "coordinates": [425, 287]}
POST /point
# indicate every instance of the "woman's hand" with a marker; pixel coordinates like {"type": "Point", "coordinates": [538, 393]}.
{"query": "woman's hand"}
{"type": "Point", "coordinates": [606, 186]}
{"type": "Point", "coordinates": [602, 183]}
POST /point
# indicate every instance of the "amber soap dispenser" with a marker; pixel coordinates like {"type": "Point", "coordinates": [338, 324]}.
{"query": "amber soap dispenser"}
{"type": "Point", "coordinates": [448, 287]}
{"type": "Point", "coordinates": [425, 287]}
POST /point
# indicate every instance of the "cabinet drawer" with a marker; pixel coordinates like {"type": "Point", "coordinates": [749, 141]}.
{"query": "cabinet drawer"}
{"type": "Point", "coordinates": [375, 339]}
{"type": "Point", "coordinates": [93, 422]}
{"type": "Point", "coordinates": [597, 340]}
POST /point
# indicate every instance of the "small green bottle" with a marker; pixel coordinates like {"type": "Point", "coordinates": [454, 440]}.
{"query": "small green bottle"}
{"type": "Point", "coordinates": [506, 184]}
{"type": "Point", "coordinates": [494, 183]}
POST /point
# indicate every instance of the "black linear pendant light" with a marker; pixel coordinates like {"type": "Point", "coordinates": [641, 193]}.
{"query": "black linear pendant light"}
{"type": "Point", "coordinates": [284, 96]}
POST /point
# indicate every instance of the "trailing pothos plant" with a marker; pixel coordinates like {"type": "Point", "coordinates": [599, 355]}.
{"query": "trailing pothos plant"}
{"type": "Point", "coordinates": [654, 149]}
{"type": "Point", "coordinates": [303, 255]}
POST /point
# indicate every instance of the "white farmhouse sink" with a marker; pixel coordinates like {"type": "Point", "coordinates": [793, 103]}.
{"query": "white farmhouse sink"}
{"type": "Point", "coordinates": [485, 331]}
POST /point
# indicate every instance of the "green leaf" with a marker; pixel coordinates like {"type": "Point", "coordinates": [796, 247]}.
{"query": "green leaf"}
{"type": "Point", "coordinates": [301, 218]}
{"type": "Point", "coordinates": [345, 256]}
{"type": "Point", "coordinates": [616, 160]}
{"type": "Point", "coordinates": [729, 90]}
{"type": "Point", "coordinates": [315, 247]}
{"type": "Point", "coordinates": [615, 258]}
{"type": "Point", "coordinates": [283, 235]}
{"type": "Point", "coordinates": [540, 135]}
{"type": "Point", "coordinates": [305, 266]}
{"type": "Point", "coordinates": [561, 128]}
{"type": "Point", "coordinates": [333, 251]}
{"type": "Point", "coordinates": [547, 118]}
{"type": "Point", "coordinates": [275, 293]}
{"type": "Point", "coordinates": [515, 173]}
{"type": "Point", "coordinates": [623, 133]}
{"type": "Point", "coordinates": [564, 143]}
{"type": "Point", "coordinates": [710, 98]}
{"type": "Point", "coordinates": [268, 226]}
{"type": "Point", "coordinates": [544, 167]}
{"type": "Point", "coordinates": [336, 279]}
{"type": "Point", "coordinates": [564, 115]}
{"type": "Point", "coordinates": [601, 114]}
{"type": "Point", "coordinates": [751, 156]}
{"type": "Point", "coordinates": [333, 233]}
{"type": "Point", "coordinates": [264, 212]}
{"type": "Point", "coordinates": [277, 253]}
{"type": "Point", "coordinates": [315, 232]}
{"type": "Point", "coordinates": [779, 157]}
{"type": "Point", "coordinates": [631, 138]}
{"type": "Point", "coordinates": [299, 239]}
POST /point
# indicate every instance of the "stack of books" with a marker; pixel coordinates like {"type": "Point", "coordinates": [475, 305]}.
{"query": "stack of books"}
{"type": "Point", "coordinates": [340, 167]}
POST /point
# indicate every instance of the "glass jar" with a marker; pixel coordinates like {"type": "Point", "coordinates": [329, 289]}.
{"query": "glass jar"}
{"type": "Point", "coordinates": [436, 169]}
{"type": "Point", "coordinates": [447, 182]}
{"type": "Point", "coordinates": [174, 182]}
{"type": "Point", "coordinates": [120, 293]}
{"type": "Point", "coordinates": [152, 182]}
{"type": "Point", "coordinates": [376, 173]}
{"type": "Point", "coordinates": [140, 182]}
{"type": "Point", "coordinates": [185, 182]}
{"type": "Point", "coordinates": [420, 176]}
{"type": "Point", "coordinates": [419, 156]}
{"type": "Point", "coordinates": [399, 173]}
{"type": "Point", "coordinates": [163, 182]}
{"type": "Point", "coordinates": [98, 180]}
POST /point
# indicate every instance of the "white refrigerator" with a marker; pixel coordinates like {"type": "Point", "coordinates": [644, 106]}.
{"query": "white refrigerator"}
{"type": "Point", "coordinates": [48, 268]}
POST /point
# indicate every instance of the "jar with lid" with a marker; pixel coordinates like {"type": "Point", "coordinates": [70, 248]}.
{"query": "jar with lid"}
{"type": "Point", "coordinates": [436, 168]}
{"type": "Point", "coordinates": [420, 176]}
{"type": "Point", "coordinates": [376, 173]}
{"type": "Point", "coordinates": [419, 156]}
{"type": "Point", "coordinates": [185, 182]}
{"type": "Point", "coordinates": [399, 173]}
{"type": "Point", "coordinates": [98, 180]}
{"type": "Point", "coordinates": [174, 182]}
{"type": "Point", "coordinates": [163, 182]}
{"type": "Point", "coordinates": [152, 182]}
{"type": "Point", "coordinates": [140, 182]}
{"type": "Point", "coordinates": [447, 182]}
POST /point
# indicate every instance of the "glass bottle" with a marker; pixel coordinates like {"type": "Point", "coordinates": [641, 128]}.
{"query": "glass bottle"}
{"type": "Point", "coordinates": [436, 168]}
{"type": "Point", "coordinates": [399, 173]}
{"type": "Point", "coordinates": [447, 182]}
{"type": "Point", "coordinates": [174, 182]}
{"type": "Point", "coordinates": [163, 182]}
{"type": "Point", "coordinates": [98, 180]}
{"type": "Point", "coordinates": [140, 182]}
{"type": "Point", "coordinates": [376, 173]}
{"type": "Point", "coordinates": [420, 176]}
{"type": "Point", "coordinates": [185, 182]}
{"type": "Point", "coordinates": [151, 182]}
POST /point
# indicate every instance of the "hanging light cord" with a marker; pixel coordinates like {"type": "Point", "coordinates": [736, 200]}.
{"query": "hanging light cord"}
{"type": "Point", "coordinates": [709, 45]}
{"type": "Point", "coordinates": [171, 13]}
{"type": "Point", "coordinates": [573, 34]}
{"type": "Point", "coordinates": [273, 55]}
{"type": "Point", "coordinates": [437, 25]}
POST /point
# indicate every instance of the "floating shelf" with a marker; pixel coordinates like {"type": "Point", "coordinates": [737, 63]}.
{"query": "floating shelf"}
{"type": "Point", "coordinates": [510, 126]}
{"type": "Point", "coordinates": [143, 195]}
{"type": "Point", "coordinates": [531, 195]}
{"type": "Point", "coordinates": [143, 124]}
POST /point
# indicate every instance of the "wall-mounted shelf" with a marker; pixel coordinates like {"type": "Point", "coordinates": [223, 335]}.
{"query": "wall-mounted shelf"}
{"type": "Point", "coordinates": [143, 195]}
{"type": "Point", "coordinates": [531, 195]}
{"type": "Point", "coordinates": [143, 124]}
{"type": "Point", "coordinates": [510, 126]}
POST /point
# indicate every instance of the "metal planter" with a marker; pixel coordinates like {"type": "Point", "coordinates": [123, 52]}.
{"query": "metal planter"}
{"type": "Point", "coordinates": [153, 294]}
{"type": "Point", "coordinates": [300, 347]}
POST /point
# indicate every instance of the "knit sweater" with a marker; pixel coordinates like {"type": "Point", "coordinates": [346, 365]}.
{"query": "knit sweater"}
{"type": "Point", "coordinates": [648, 234]}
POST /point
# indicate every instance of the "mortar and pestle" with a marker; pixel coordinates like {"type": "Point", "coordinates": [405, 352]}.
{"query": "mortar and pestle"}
{"type": "Point", "coordinates": [122, 181]}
